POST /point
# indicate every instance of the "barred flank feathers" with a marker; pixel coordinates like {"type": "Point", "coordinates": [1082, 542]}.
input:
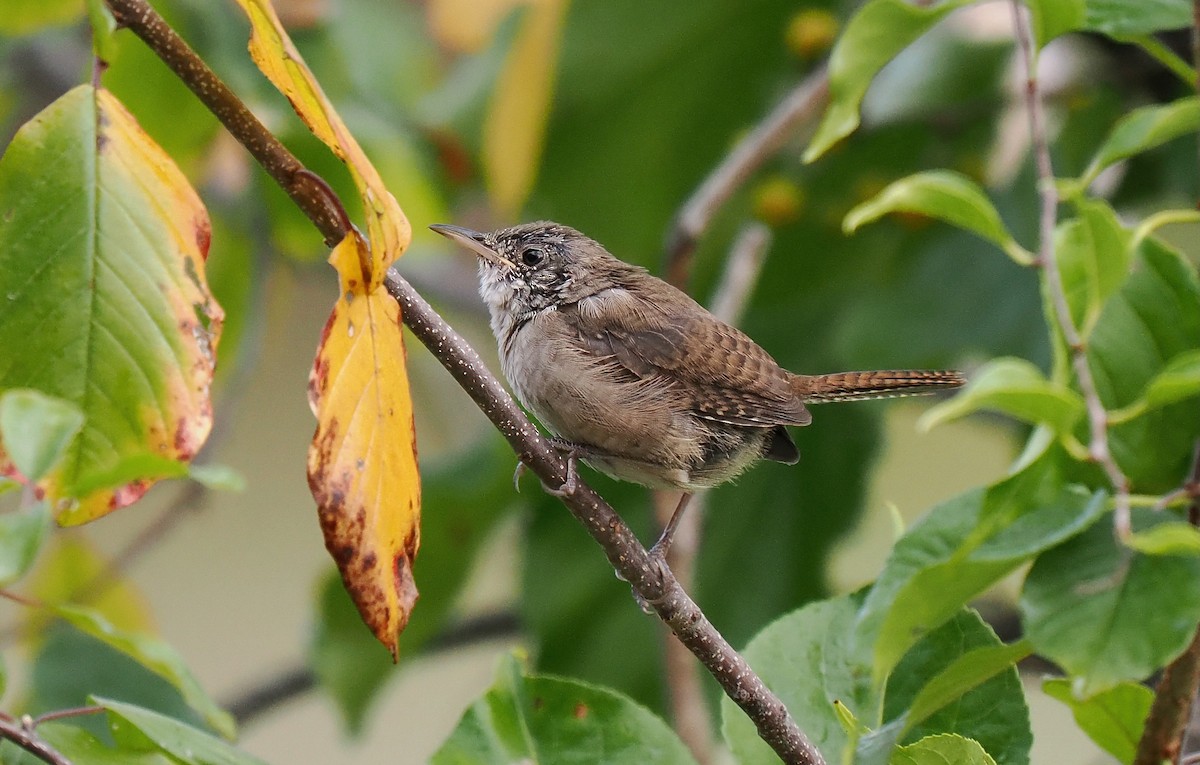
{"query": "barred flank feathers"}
{"type": "Point", "coordinates": [859, 386]}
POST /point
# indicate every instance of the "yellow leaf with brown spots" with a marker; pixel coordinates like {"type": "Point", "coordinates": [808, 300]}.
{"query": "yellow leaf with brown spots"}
{"type": "Point", "coordinates": [362, 465]}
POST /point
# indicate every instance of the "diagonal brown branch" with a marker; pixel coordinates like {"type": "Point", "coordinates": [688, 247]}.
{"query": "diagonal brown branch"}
{"type": "Point", "coordinates": [654, 584]}
{"type": "Point", "coordinates": [1162, 736]}
{"type": "Point", "coordinates": [24, 736]}
{"type": "Point", "coordinates": [802, 103]}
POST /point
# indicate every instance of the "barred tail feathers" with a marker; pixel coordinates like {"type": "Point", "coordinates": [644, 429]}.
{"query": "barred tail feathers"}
{"type": "Point", "coordinates": [860, 386]}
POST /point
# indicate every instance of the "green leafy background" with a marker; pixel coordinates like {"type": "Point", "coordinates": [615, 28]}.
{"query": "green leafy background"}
{"type": "Point", "coordinates": [641, 111]}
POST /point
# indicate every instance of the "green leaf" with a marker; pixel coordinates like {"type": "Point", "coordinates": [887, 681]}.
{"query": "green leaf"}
{"type": "Point", "coordinates": [873, 37]}
{"type": "Point", "coordinates": [1052, 18]}
{"type": "Point", "coordinates": [130, 469]}
{"type": "Point", "coordinates": [90, 207]}
{"type": "Point", "coordinates": [22, 17]}
{"type": "Point", "coordinates": [81, 747]}
{"type": "Point", "coordinates": [1093, 255]}
{"type": "Point", "coordinates": [942, 749]}
{"type": "Point", "coordinates": [1108, 614]}
{"type": "Point", "coordinates": [1113, 718]}
{"type": "Point", "coordinates": [1178, 380]}
{"type": "Point", "coordinates": [963, 674]}
{"type": "Point", "coordinates": [993, 712]}
{"type": "Point", "coordinates": [1153, 222]}
{"type": "Point", "coordinates": [1152, 319]}
{"type": "Point", "coordinates": [948, 196]}
{"type": "Point", "coordinates": [36, 430]}
{"type": "Point", "coordinates": [70, 666]}
{"type": "Point", "coordinates": [805, 658]}
{"type": "Point", "coordinates": [525, 718]}
{"type": "Point", "coordinates": [219, 477]}
{"type": "Point", "coordinates": [1146, 127]}
{"type": "Point", "coordinates": [21, 536]}
{"type": "Point", "coordinates": [963, 546]}
{"type": "Point", "coordinates": [1119, 18]}
{"type": "Point", "coordinates": [1014, 387]}
{"type": "Point", "coordinates": [155, 655]}
{"type": "Point", "coordinates": [1169, 538]}
{"type": "Point", "coordinates": [103, 28]}
{"type": "Point", "coordinates": [130, 724]}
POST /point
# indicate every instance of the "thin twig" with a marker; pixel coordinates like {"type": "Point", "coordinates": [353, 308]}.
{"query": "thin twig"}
{"type": "Point", "coordinates": [269, 694]}
{"type": "Point", "coordinates": [654, 583]}
{"type": "Point", "coordinates": [742, 268]}
{"type": "Point", "coordinates": [1098, 448]}
{"type": "Point", "coordinates": [805, 102]}
{"type": "Point", "coordinates": [1166, 724]}
{"type": "Point", "coordinates": [296, 681]}
{"type": "Point", "coordinates": [24, 600]}
{"type": "Point", "coordinates": [63, 714]}
{"type": "Point", "coordinates": [25, 737]}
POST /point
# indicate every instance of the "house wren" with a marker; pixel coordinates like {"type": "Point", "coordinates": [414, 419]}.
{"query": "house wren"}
{"type": "Point", "coordinates": [638, 379]}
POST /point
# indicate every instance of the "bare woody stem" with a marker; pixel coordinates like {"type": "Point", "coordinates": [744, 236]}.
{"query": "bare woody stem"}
{"type": "Point", "coordinates": [802, 103]}
{"type": "Point", "coordinates": [1098, 448]}
{"type": "Point", "coordinates": [24, 736]}
{"type": "Point", "coordinates": [654, 584]}
{"type": "Point", "coordinates": [1166, 724]}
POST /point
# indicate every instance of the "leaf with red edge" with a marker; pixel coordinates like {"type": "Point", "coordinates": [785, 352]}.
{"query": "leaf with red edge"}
{"type": "Point", "coordinates": [362, 465]}
{"type": "Point", "coordinates": [105, 304]}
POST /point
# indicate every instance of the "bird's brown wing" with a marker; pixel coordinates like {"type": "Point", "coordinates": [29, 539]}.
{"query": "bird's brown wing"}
{"type": "Point", "coordinates": [723, 374]}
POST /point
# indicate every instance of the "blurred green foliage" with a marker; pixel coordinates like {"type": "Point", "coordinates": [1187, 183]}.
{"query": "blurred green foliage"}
{"type": "Point", "coordinates": [644, 105]}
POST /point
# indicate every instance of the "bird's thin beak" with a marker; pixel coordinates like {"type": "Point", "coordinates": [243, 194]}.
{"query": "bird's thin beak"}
{"type": "Point", "coordinates": [473, 241]}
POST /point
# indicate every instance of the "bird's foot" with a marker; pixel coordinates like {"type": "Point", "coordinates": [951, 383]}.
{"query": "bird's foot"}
{"type": "Point", "coordinates": [570, 452]}
{"type": "Point", "coordinates": [663, 546]}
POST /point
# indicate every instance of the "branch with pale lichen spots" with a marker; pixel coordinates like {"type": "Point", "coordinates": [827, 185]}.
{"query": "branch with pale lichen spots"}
{"type": "Point", "coordinates": [654, 584]}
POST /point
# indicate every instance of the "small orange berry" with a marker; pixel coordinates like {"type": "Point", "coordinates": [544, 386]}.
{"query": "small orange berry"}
{"type": "Point", "coordinates": [811, 32]}
{"type": "Point", "coordinates": [777, 201]}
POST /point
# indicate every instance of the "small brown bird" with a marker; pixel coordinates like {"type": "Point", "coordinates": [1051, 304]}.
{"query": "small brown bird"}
{"type": "Point", "coordinates": [633, 376]}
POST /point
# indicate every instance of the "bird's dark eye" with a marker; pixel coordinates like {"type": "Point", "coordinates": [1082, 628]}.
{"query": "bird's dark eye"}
{"type": "Point", "coordinates": [532, 256]}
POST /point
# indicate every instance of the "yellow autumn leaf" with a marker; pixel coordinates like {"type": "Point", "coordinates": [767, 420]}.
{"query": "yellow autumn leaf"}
{"type": "Point", "coordinates": [388, 230]}
{"type": "Point", "coordinates": [515, 127]}
{"type": "Point", "coordinates": [362, 466]}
